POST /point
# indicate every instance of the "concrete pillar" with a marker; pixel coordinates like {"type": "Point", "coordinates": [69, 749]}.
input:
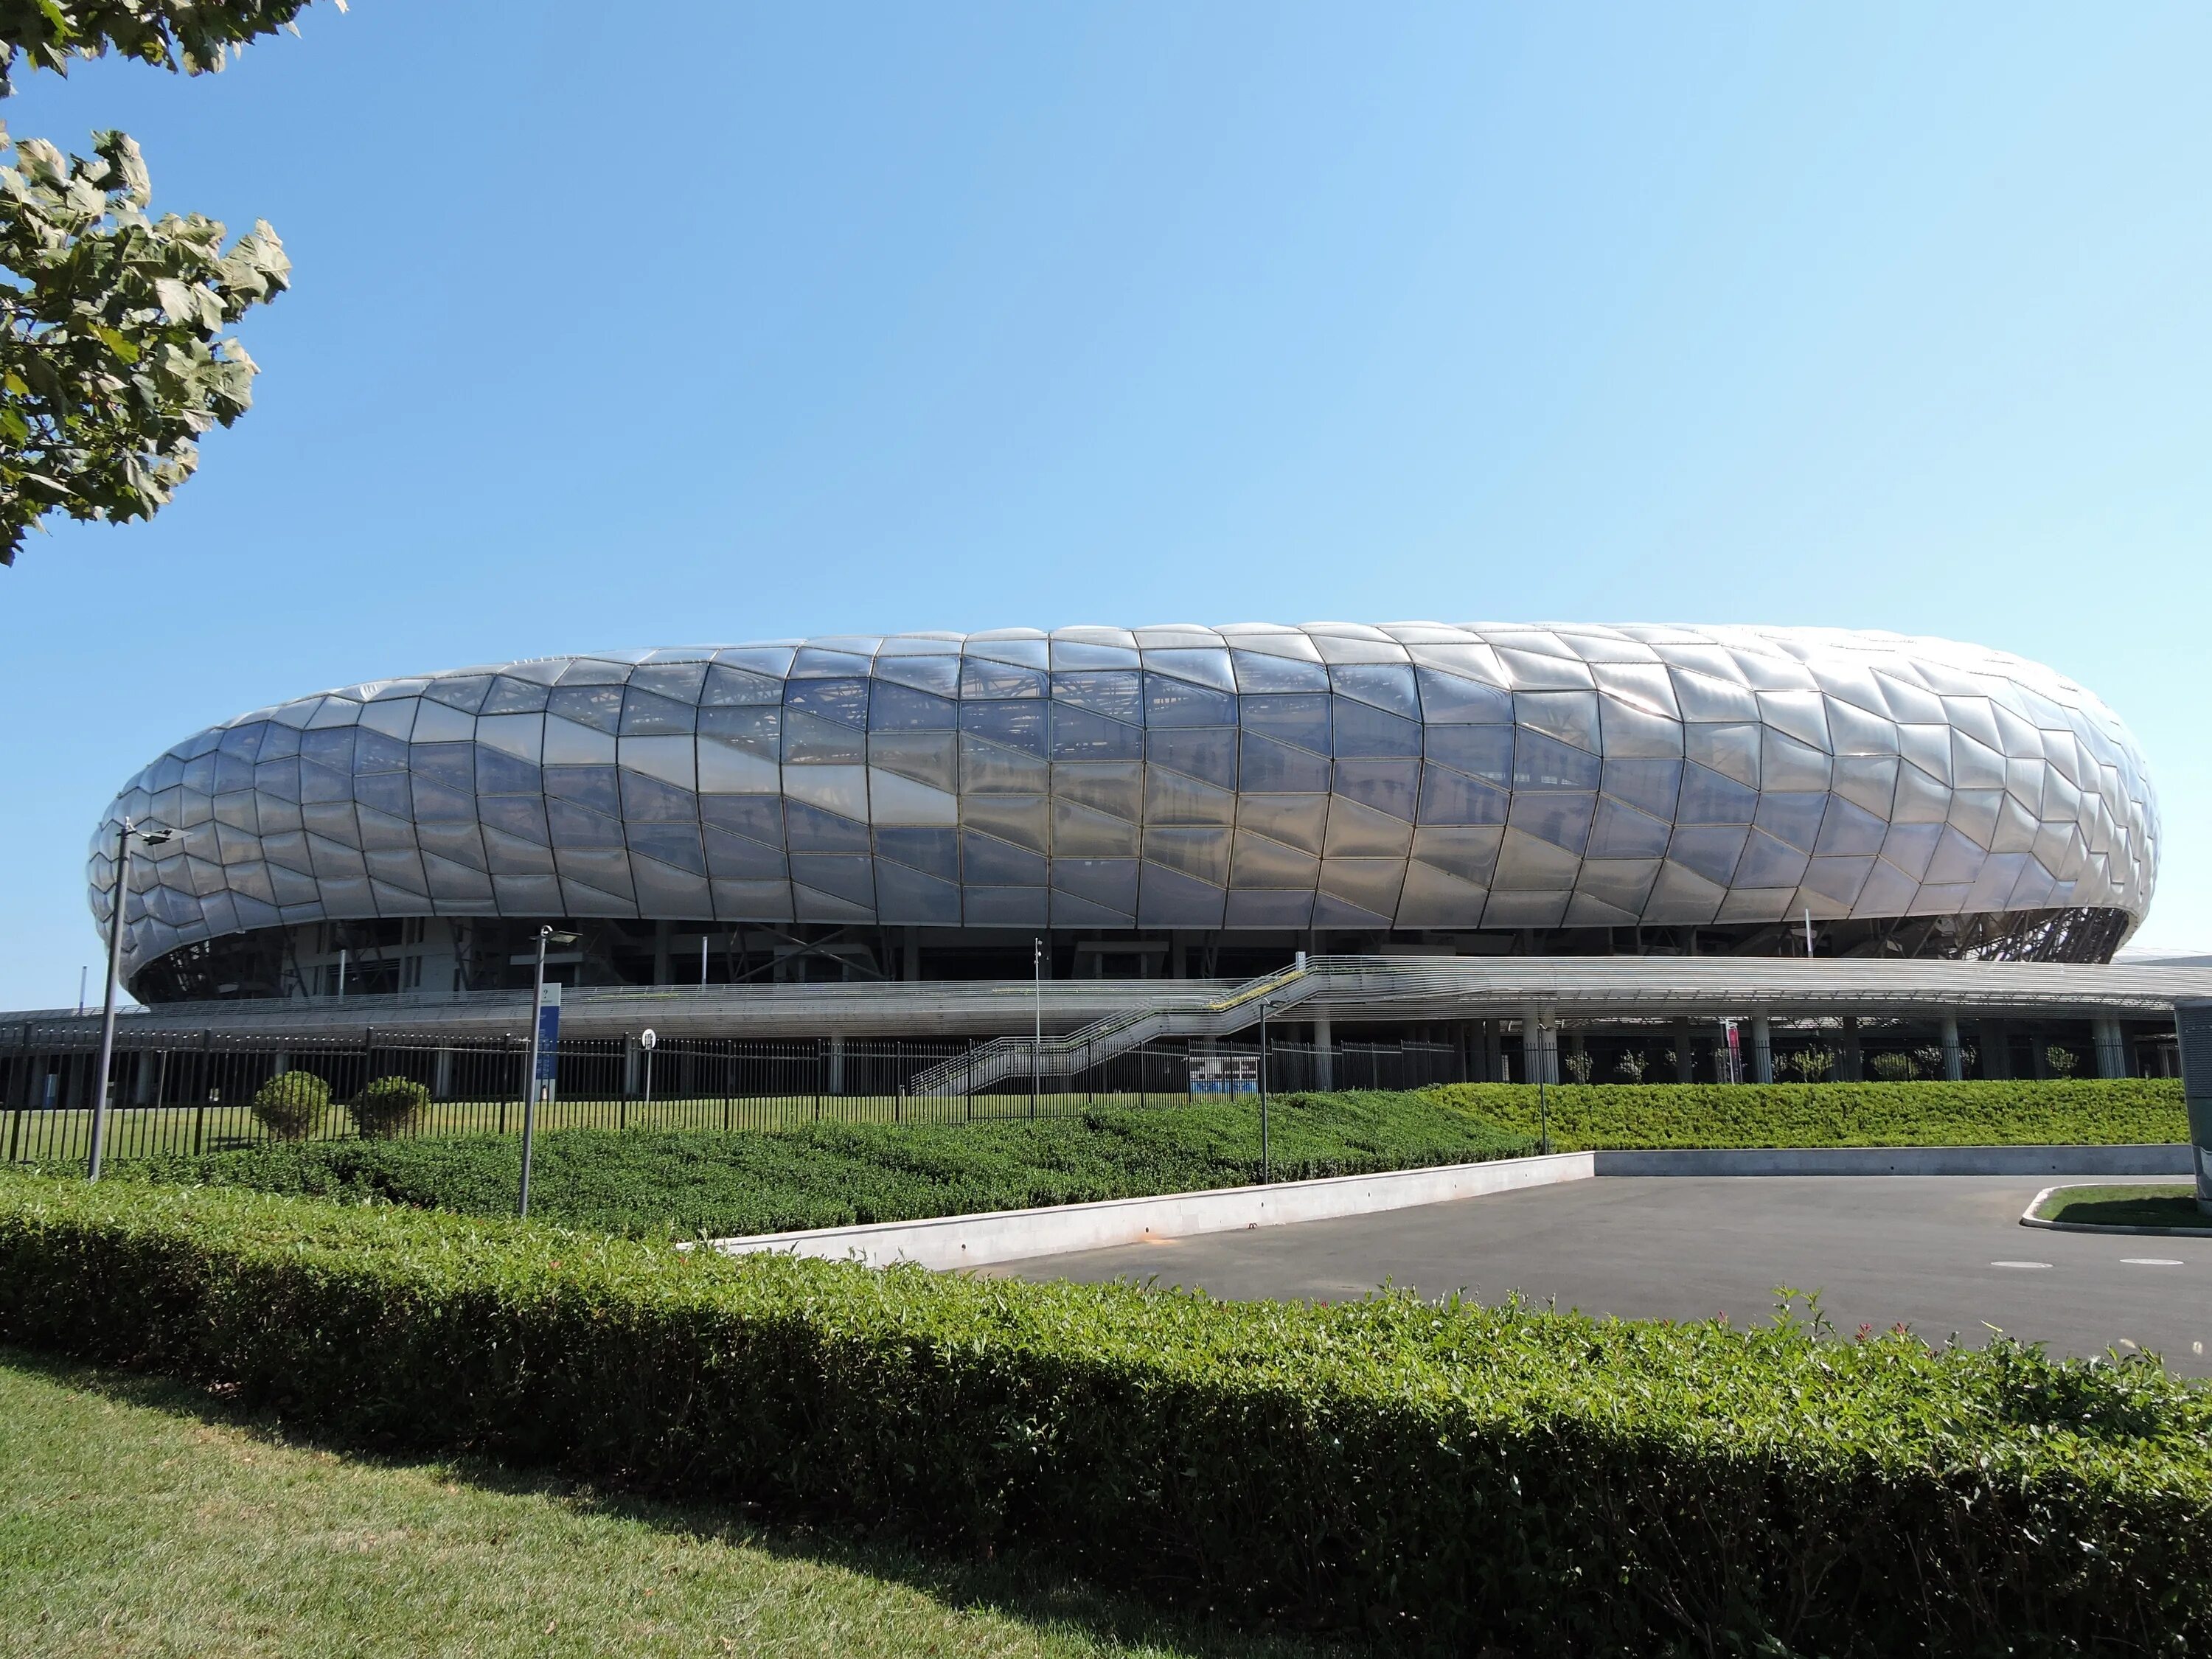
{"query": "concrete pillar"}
{"type": "Point", "coordinates": [1493, 1052]}
{"type": "Point", "coordinates": [141, 1079]}
{"type": "Point", "coordinates": [1762, 1049]}
{"type": "Point", "coordinates": [2192, 1032]}
{"type": "Point", "coordinates": [1685, 1056]}
{"type": "Point", "coordinates": [837, 1063]}
{"type": "Point", "coordinates": [1955, 1060]}
{"type": "Point", "coordinates": [2038, 1057]}
{"type": "Point", "coordinates": [441, 1078]}
{"type": "Point", "coordinates": [1540, 1049]}
{"type": "Point", "coordinates": [281, 1065]}
{"type": "Point", "coordinates": [1574, 1047]}
{"type": "Point", "coordinates": [1854, 1063]}
{"type": "Point", "coordinates": [1995, 1041]}
{"type": "Point", "coordinates": [2111, 1049]}
{"type": "Point", "coordinates": [1324, 1054]}
{"type": "Point", "coordinates": [632, 1058]}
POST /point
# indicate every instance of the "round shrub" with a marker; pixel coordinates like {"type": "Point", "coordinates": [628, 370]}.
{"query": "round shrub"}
{"type": "Point", "coordinates": [388, 1106]}
{"type": "Point", "coordinates": [291, 1105]}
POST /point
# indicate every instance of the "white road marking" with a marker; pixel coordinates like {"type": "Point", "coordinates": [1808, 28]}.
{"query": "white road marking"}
{"type": "Point", "coordinates": [2019, 1264]}
{"type": "Point", "coordinates": [2151, 1261]}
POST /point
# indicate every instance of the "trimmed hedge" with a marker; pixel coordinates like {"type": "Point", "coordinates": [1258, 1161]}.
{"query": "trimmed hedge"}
{"type": "Point", "coordinates": [387, 1106]}
{"type": "Point", "coordinates": [1447, 1475]}
{"type": "Point", "coordinates": [292, 1104]}
{"type": "Point", "coordinates": [1605, 1116]}
{"type": "Point", "coordinates": [659, 1183]}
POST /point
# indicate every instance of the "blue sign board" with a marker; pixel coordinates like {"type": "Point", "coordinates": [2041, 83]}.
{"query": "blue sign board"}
{"type": "Point", "coordinates": [549, 1033]}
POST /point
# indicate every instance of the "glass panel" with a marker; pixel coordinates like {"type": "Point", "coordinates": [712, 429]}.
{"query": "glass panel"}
{"type": "Point", "coordinates": [1022, 819]}
{"type": "Point", "coordinates": [1202, 667]}
{"type": "Point", "coordinates": [760, 817]}
{"type": "Point", "coordinates": [1256, 672]}
{"type": "Point", "coordinates": [1482, 752]}
{"type": "Point", "coordinates": [1653, 785]}
{"type": "Point", "coordinates": [1084, 832]}
{"type": "Point", "coordinates": [981, 678]}
{"type": "Point", "coordinates": [1019, 726]}
{"type": "Point", "coordinates": [1114, 787]}
{"type": "Point", "coordinates": [644, 714]}
{"type": "Point", "coordinates": [679, 682]}
{"type": "Point", "coordinates": [1709, 798]}
{"type": "Point", "coordinates": [503, 775]}
{"type": "Point", "coordinates": [903, 708]}
{"type": "Point", "coordinates": [1849, 828]}
{"type": "Point", "coordinates": [1559, 817]}
{"type": "Point", "coordinates": [985, 767]}
{"type": "Point", "coordinates": [1711, 851]}
{"type": "Point", "coordinates": [843, 701]}
{"type": "Point", "coordinates": [929, 757]}
{"type": "Point", "coordinates": [1453, 699]}
{"type": "Point", "coordinates": [465, 692]}
{"type": "Point", "coordinates": [1357, 831]}
{"type": "Point", "coordinates": [598, 706]}
{"type": "Point", "coordinates": [594, 670]}
{"type": "Point", "coordinates": [588, 786]}
{"type": "Point", "coordinates": [1299, 820]}
{"type": "Point", "coordinates": [1081, 654]}
{"type": "Point", "coordinates": [1267, 765]}
{"type": "Point", "coordinates": [1171, 798]}
{"type": "Point", "coordinates": [840, 789]}
{"type": "Point", "coordinates": [1179, 703]}
{"type": "Point", "coordinates": [909, 897]}
{"type": "Point", "coordinates": [649, 801]}
{"type": "Point", "coordinates": [1448, 797]}
{"type": "Point", "coordinates": [1204, 752]}
{"type": "Point", "coordinates": [435, 803]}
{"type": "Point", "coordinates": [809, 830]}
{"type": "Point", "coordinates": [1542, 763]}
{"type": "Point", "coordinates": [733, 687]}
{"type": "Point", "coordinates": [847, 877]}
{"type": "Point", "coordinates": [741, 859]}
{"type": "Point", "coordinates": [937, 675]}
{"type": "Point", "coordinates": [452, 764]}
{"type": "Point", "coordinates": [987, 861]}
{"type": "Point", "coordinates": [373, 751]}
{"type": "Point", "coordinates": [517, 814]}
{"type": "Point", "coordinates": [1080, 734]}
{"type": "Point", "coordinates": [934, 851]}
{"type": "Point", "coordinates": [1301, 720]}
{"type": "Point", "coordinates": [1109, 882]}
{"type": "Point", "coordinates": [573, 826]}
{"type": "Point", "coordinates": [1365, 730]}
{"type": "Point", "coordinates": [278, 743]}
{"type": "Point", "coordinates": [330, 747]}
{"type": "Point", "coordinates": [810, 740]}
{"type": "Point", "coordinates": [757, 731]}
{"type": "Point", "coordinates": [812, 662]}
{"type": "Point", "coordinates": [1387, 786]}
{"type": "Point", "coordinates": [1119, 696]}
{"type": "Point", "coordinates": [1261, 862]}
{"type": "Point", "coordinates": [1622, 832]}
{"type": "Point", "coordinates": [277, 779]}
{"type": "Point", "coordinates": [671, 843]}
{"type": "Point", "coordinates": [385, 791]}
{"type": "Point", "coordinates": [1569, 716]}
{"type": "Point", "coordinates": [1197, 851]}
{"type": "Point", "coordinates": [1767, 862]}
{"type": "Point", "coordinates": [1171, 898]}
{"type": "Point", "coordinates": [1794, 818]}
{"type": "Point", "coordinates": [1386, 685]}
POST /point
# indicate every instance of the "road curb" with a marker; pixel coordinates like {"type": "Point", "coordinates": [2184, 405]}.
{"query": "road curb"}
{"type": "Point", "coordinates": [2130, 1160]}
{"type": "Point", "coordinates": [2029, 1218]}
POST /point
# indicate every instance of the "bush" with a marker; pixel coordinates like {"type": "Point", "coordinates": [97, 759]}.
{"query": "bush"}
{"type": "Point", "coordinates": [1444, 1474]}
{"type": "Point", "coordinates": [656, 1183]}
{"type": "Point", "coordinates": [388, 1106]}
{"type": "Point", "coordinates": [2089, 1113]}
{"type": "Point", "coordinates": [292, 1104]}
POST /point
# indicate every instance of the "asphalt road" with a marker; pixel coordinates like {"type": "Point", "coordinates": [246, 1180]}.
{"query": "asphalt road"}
{"type": "Point", "coordinates": [1942, 1254]}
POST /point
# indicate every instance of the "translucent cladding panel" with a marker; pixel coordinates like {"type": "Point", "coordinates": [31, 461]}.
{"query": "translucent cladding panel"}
{"type": "Point", "coordinates": [1569, 716]}
{"type": "Point", "coordinates": [1910, 847]}
{"type": "Point", "coordinates": [1630, 730]}
{"type": "Point", "coordinates": [1357, 831]}
{"type": "Point", "coordinates": [681, 682]}
{"type": "Point", "coordinates": [1204, 752]}
{"type": "Point", "coordinates": [1302, 720]}
{"type": "Point", "coordinates": [1388, 786]}
{"type": "Point", "coordinates": [520, 816]}
{"type": "Point", "coordinates": [280, 741]}
{"type": "Point", "coordinates": [1079, 734]}
{"type": "Point", "coordinates": [1258, 673]}
{"type": "Point", "coordinates": [894, 799]}
{"type": "Point", "coordinates": [1108, 882]}
{"type": "Point", "coordinates": [1449, 797]}
{"type": "Point", "coordinates": [434, 803]}
{"type": "Point", "coordinates": [843, 701]}
{"type": "Point", "coordinates": [727, 769]}
{"type": "Point", "coordinates": [1272, 910]}
{"type": "Point", "coordinates": [503, 775]}
{"type": "Point", "coordinates": [513, 697]}
{"type": "Point", "coordinates": [522, 736]}
{"type": "Point", "coordinates": [1365, 731]}
{"type": "Point", "coordinates": [841, 875]}
{"type": "Point", "coordinates": [1179, 703]}
{"type": "Point", "coordinates": [331, 748]}
{"type": "Point", "coordinates": [373, 751]}
{"type": "Point", "coordinates": [1174, 898]}
{"type": "Point", "coordinates": [1622, 883]}
{"type": "Point", "coordinates": [911, 897]}
{"type": "Point", "coordinates": [1786, 763]}
{"type": "Point", "coordinates": [666, 891]}
{"type": "Point", "coordinates": [986, 769]}
{"type": "Point", "coordinates": [1024, 820]}
{"type": "Point", "coordinates": [567, 743]}
{"type": "Point", "coordinates": [840, 789]}
{"type": "Point", "coordinates": [1300, 821]}
{"type": "Point", "coordinates": [1386, 685]}
{"type": "Point", "coordinates": [987, 861]}
{"type": "Point", "coordinates": [1711, 850]}
{"type": "Point", "coordinates": [650, 800]}
{"type": "Point", "coordinates": [1709, 798]}
{"type": "Point", "coordinates": [461, 843]}
{"type": "Point", "coordinates": [903, 708]}
{"type": "Point", "coordinates": [592, 670]}
{"type": "Point", "coordinates": [1005, 907]}
{"type": "Point", "coordinates": [673, 759]}
{"type": "Point", "coordinates": [647, 715]}
{"type": "Point", "coordinates": [741, 858]}
{"type": "Point", "coordinates": [1079, 830]}
{"type": "Point", "coordinates": [388, 791]}
{"type": "Point", "coordinates": [1200, 666]}
{"type": "Point", "coordinates": [1620, 831]}
{"type": "Point", "coordinates": [1269, 767]}
{"type": "Point", "coordinates": [809, 830]}
{"type": "Point", "coordinates": [533, 893]}
{"type": "Point", "coordinates": [1731, 750]}
{"type": "Point", "coordinates": [277, 780]}
{"type": "Point", "coordinates": [1545, 762]}
{"type": "Point", "coordinates": [1118, 695]}
{"type": "Point", "coordinates": [1482, 752]}
{"type": "Point", "coordinates": [1957, 859]}
{"type": "Point", "coordinates": [1200, 851]}
{"type": "Point", "coordinates": [760, 817]}
{"type": "Point", "coordinates": [676, 844]}
{"type": "Point", "coordinates": [1453, 699]}
{"type": "Point", "coordinates": [818, 662]}
{"type": "Point", "coordinates": [1561, 817]}
{"type": "Point", "coordinates": [1791, 817]}
{"type": "Point", "coordinates": [938, 675]}
{"type": "Point", "coordinates": [810, 740]}
{"type": "Point", "coordinates": [1838, 880]}
{"type": "Point", "coordinates": [1434, 899]}
{"type": "Point", "coordinates": [1114, 787]}
{"type": "Point", "coordinates": [1767, 862]}
{"type": "Point", "coordinates": [1371, 884]}
{"type": "Point", "coordinates": [758, 730]}
{"type": "Point", "coordinates": [598, 706]}
{"type": "Point", "coordinates": [981, 679]}
{"type": "Point", "coordinates": [1172, 797]}
{"type": "Point", "coordinates": [594, 787]}
{"type": "Point", "coordinates": [730, 688]}
{"type": "Point", "coordinates": [576, 826]}
{"type": "Point", "coordinates": [935, 852]}
{"type": "Point", "coordinates": [1017, 726]}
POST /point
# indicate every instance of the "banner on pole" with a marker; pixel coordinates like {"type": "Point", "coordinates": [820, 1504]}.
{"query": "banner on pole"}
{"type": "Point", "coordinates": [549, 1032]}
{"type": "Point", "coordinates": [1224, 1075]}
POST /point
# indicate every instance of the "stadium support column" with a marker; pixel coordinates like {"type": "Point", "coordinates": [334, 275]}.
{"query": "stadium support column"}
{"type": "Point", "coordinates": [837, 1063]}
{"type": "Point", "coordinates": [1954, 1059]}
{"type": "Point", "coordinates": [1540, 1049]}
{"type": "Point", "coordinates": [1762, 1049]}
{"type": "Point", "coordinates": [441, 1084]}
{"type": "Point", "coordinates": [1854, 1065]}
{"type": "Point", "coordinates": [2111, 1051]}
{"type": "Point", "coordinates": [630, 1052]}
{"type": "Point", "coordinates": [1685, 1056]}
{"type": "Point", "coordinates": [1996, 1046]}
{"type": "Point", "coordinates": [2192, 1031]}
{"type": "Point", "coordinates": [1324, 1055]}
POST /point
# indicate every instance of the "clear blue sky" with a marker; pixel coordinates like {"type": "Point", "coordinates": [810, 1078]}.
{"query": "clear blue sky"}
{"type": "Point", "coordinates": [798, 319]}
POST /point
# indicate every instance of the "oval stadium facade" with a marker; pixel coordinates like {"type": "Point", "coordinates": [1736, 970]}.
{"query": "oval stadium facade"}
{"type": "Point", "coordinates": [1159, 801]}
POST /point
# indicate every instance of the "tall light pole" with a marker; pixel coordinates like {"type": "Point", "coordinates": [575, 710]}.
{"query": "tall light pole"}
{"type": "Point", "coordinates": [538, 1033]}
{"type": "Point", "coordinates": [123, 834]}
{"type": "Point", "coordinates": [1267, 1163]}
{"type": "Point", "coordinates": [1037, 1043]}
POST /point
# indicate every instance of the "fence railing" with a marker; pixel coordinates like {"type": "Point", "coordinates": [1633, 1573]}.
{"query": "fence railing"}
{"type": "Point", "coordinates": [184, 1094]}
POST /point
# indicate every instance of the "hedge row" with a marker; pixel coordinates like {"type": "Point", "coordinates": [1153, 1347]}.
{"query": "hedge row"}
{"type": "Point", "coordinates": [1602, 1116]}
{"type": "Point", "coordinates": [1449, 1475]}
{"type": "Point", "coordinates": [659, 1183]}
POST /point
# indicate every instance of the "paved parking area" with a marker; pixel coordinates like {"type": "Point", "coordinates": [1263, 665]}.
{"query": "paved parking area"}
{"type": "Point", "coordinates": [1943, 1254]}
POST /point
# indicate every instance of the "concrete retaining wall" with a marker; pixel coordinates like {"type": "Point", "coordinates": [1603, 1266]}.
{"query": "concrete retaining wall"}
{"type": "Point", "coordinates": [1902, 1161]}
{"type": "Point", "coordinates": [973, 1241]}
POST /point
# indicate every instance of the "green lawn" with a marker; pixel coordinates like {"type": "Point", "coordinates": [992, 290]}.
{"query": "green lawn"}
{"type": "Point", "coordinates": [2139, 1206]}
{"type": "Point", "coordinates": [139, 1517]}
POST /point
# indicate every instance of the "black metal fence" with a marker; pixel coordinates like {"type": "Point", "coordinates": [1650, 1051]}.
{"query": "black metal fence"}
{"type": "Point", "coordinates": [182, 1094]}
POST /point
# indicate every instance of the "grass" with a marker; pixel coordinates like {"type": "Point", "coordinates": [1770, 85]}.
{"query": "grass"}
{"type": "Point", "coordinates": [138, 1516]}
{"type": "Point", "coordinates": [651, 1183]}
{"type": "Point", "coordinates": [1605, 1117]}
{"type": "Point", "coordinates": [2136, 1205]}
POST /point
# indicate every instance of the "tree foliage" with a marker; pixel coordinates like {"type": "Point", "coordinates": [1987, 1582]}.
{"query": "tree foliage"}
{"type": "Point", "coordinates": [112, 356]}
{"type": "Point", "coordinates": [191, 36]}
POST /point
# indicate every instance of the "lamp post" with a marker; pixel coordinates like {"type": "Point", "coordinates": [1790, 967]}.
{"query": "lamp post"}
{"type": "Point", "coordinates": [546, 936]}
{"type": "Point", "coordinates": [1267, 1163]}
{"type": "Point", "coordinates": [1037, 1043]}
{"type": "Point", "coordinates": [152, 837]}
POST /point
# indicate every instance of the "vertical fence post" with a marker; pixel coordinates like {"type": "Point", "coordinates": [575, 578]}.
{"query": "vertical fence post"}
{"type": "Point", "coordinates": [21, 1096]}
{"type": "Point", "coordinates": [200, 1105]}
{"type": "Point", "coordinates": [820, 1061]}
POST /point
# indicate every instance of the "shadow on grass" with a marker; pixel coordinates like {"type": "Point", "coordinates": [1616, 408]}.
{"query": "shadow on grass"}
{"type": "Point", "coordinates": [1013, 1585]}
